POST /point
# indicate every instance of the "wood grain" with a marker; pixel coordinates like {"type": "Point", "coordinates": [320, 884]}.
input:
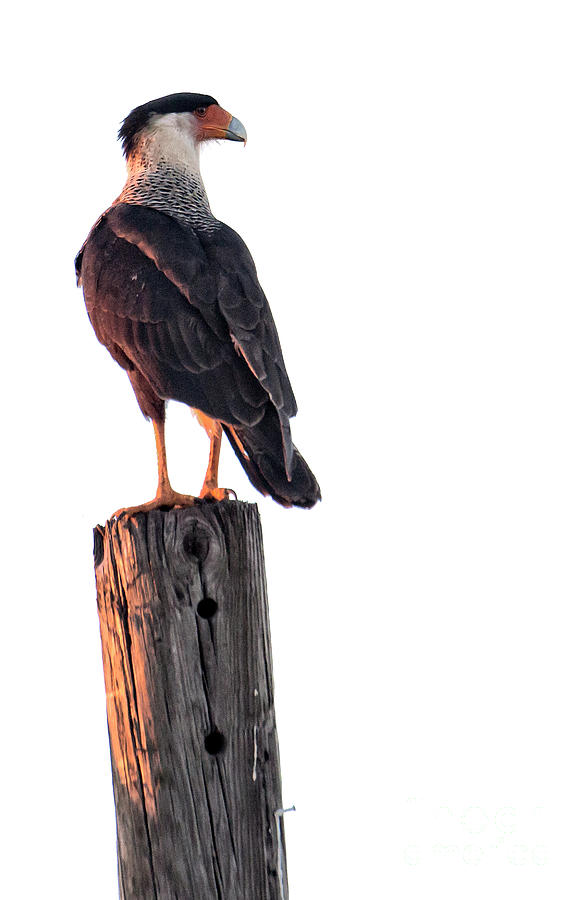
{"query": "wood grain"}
{"type": "Point", "coordinates": [187, 663]}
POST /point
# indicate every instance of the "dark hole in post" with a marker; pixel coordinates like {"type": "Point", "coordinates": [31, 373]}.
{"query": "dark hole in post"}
{"type": "Point", "coordinates": [214, 742]}
{"type": "Point", "coordinates": [207, 608]}
{"type": "Point", "coordinates": [196, 544]}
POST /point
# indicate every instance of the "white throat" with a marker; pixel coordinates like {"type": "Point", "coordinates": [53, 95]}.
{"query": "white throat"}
{"type": "Point", "coordinates": [168, 140]}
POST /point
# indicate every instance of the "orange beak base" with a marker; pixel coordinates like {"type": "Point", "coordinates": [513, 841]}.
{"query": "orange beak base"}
{"type": "Point", "coordinates": [220, 124]}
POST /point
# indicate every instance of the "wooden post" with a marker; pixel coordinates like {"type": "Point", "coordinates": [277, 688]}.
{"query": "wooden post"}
{"type": "Point", "coordinates": [187, 665]}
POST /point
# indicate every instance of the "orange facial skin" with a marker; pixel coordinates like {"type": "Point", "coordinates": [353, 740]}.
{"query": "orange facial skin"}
{"type": "Point", "coordinates": [214, 122]}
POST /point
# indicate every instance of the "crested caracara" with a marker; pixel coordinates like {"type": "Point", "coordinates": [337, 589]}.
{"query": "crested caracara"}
{"type": "Point", "coordinates": [174, 296]}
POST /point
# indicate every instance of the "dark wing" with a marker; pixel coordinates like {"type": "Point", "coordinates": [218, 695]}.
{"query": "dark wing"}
{"type": "Point", "coordinates": [186, 310]}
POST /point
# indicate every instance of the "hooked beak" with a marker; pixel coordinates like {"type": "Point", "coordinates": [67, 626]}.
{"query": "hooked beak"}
{"type": "Point", "coordinates": [236, 131]}
{"type": "Point", "coordinates": [221, 124]}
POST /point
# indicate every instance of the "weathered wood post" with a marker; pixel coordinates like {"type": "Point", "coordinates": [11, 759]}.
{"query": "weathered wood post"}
{"type": "Point", "coordinates": [188, 672]}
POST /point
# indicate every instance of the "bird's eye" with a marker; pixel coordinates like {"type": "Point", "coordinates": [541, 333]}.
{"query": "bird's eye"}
{"type": "Point", "coordinates": [201, 112]}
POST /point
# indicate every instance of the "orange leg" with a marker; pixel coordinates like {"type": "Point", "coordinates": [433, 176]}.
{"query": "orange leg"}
{"type": "Point", "coordinates": [165, 496]}
{"type": "Point", "coordinates": [210, 488]}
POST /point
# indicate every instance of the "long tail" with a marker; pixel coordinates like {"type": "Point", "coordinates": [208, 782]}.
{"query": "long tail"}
{"type": "Point", "coordinates": [261, 453]}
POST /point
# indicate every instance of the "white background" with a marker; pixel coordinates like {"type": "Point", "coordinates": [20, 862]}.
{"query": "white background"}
{"type": "Point", "coordinates": [414, 192]}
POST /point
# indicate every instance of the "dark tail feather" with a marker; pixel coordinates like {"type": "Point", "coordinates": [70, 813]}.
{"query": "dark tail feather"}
{"type": "Point", "coordinates": [261, 454]}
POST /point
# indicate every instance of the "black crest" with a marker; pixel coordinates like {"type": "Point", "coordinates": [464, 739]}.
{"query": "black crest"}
{"type": "Point", "coordinates": [173, 103]}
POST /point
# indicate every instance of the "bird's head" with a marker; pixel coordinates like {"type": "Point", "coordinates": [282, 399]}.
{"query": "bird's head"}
{"type": "Point", "coordinates": [175, 126]}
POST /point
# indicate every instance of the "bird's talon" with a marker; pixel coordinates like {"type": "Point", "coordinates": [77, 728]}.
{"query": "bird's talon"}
{"type": "Point", "coordinates": [216, 493]}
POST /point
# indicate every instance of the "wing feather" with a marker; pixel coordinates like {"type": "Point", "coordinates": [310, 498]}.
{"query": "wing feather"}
{"type": "Point", "coordinates": [187, 310]}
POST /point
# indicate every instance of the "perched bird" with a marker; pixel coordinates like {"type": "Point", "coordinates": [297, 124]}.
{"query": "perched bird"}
{"type": "Point", "coordinates": [173, 294]}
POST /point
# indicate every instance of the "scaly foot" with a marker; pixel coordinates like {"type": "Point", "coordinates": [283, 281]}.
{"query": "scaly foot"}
{"type": "Point", "coordinates": [164, 499]}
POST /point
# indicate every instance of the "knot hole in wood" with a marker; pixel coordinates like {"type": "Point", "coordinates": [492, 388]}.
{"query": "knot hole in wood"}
{"type": "Point", "coordinates": [197, 544]}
